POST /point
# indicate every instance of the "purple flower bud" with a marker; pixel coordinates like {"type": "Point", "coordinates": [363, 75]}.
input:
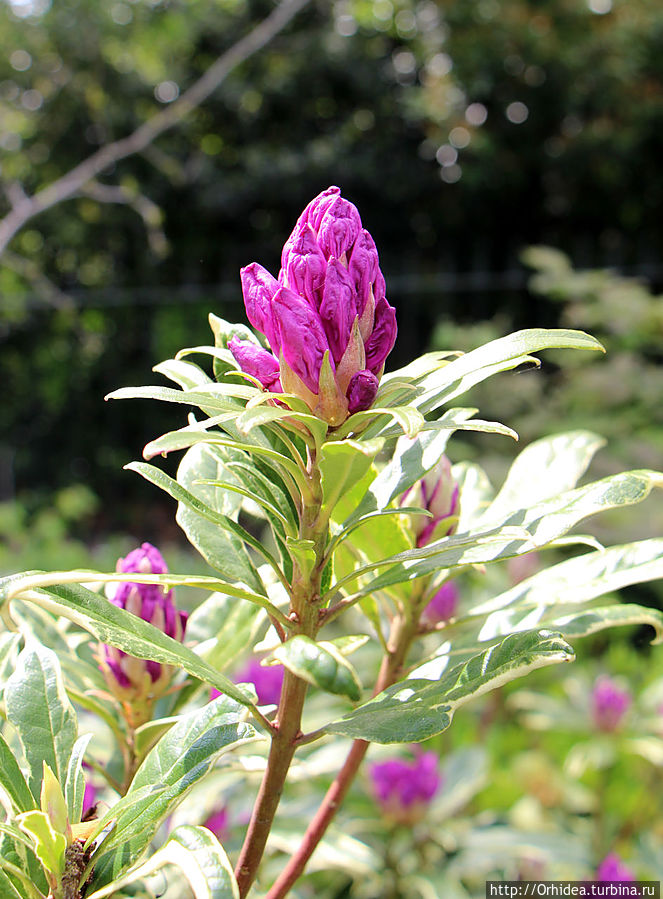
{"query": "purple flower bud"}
{"type": "Point", "coordinates": [609, 704]}
{"type": "Point", "coordinates": [218, 823]}
{"type": "Point", "coordinates": [443, 605]}
{"type": "Point", "coordinates": [404, 788]}
{"type": "Point", "coordinates": [267, 679]}
{"type": "Point", "coordinates": [613, 868]}
{"type": "Point", "coordinates": [257, 362]}
{"type": "Point", "coordinates": [438, 493]}
{"type": "Point", "coordinates": [329, 297]}
{"type": "Point", "coordinates": [361, 391]}
{"type": "Point", "coordinates": [137, 680]}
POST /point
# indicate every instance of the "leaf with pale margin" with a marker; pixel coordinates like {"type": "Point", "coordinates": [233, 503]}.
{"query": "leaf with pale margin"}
{"type": "Point", "coordinates": [38, 707]}
{"type": "Point", "coordinates": [185, 754]}
{"type": "Point", "coordinates": [187, 374]}
{"type": "Point", "coordinates": [543, 470]}
{"type": "Point", "coordinates": [502, 354]}
{"type": "Point", "coordinates": [475, 490]}
{"type": "Point", "coordinates": [117, 627]}
{"type": "Point", "coordinates": [13, 782]}
{"type": "Point", "coordinates": [74, 788]}
{"type": "Point", "coordinates": [321, 664]}
{"type": "Point", "coordinates": [416, 709]}
{"type": "Point", "coordinates": [199, 856]}
{"type": "Point", "coordinates": [223, 628]}
{"type": "Point", "coordinates": [572, 582]}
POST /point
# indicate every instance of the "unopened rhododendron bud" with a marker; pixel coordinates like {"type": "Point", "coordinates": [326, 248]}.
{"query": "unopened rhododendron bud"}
{"type": "Point", "coordinates": [609, 704]}
{"type": "Point", "coordinates": [326, 316]}
{"type": "Point", "coordinates": [267, 680]}
{"type": "Point", "coordinates": [405, 788]}
{"type": "Point", "coordinates": [438, 493]}
{"type": "Point", "coordinates": [443, 605]}
{"type": "Point", "coordinates": [138, 681]}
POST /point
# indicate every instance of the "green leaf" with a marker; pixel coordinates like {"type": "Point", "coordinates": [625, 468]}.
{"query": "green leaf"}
{"type": "Point", "coordinates": [210, 403]}
{"type": "Point", "coordinates": [199, 856]}
{"type": "Point", "coordinates": [49, 846]}
{"type": "Point", "coordinates": [39, 709]}
{"type": "Point", "coordinates": [191, 508]}
{"type": "Point", "coordinates": [52, 802]}
{"type": "Point", "coordinates": [147, 734]}
{"type": "Point", "coordinates": [178, 761]}
{"type": "Point", "coordinates": [542, 597]}
{"type": "Point", "coordinates": [302, 551]}
{"type": "Point", "coordinates": [221, 548]}
{"type": "Point", "coordinates": [543, 470]}
{"type": "Point", "coordinates": [321, 664]}
{"type": "Point", "coordinates": [600, 618]}
{"type": "Point", "coordinates": [186, 374]}
{"type": "Point", "coordinates": [7, 888]}
{"type": "Point", "coordinates": [13, 782]}
{"type": "Point", "coordinates": [502, 354]}
{"type": "Point", "coordinates": [476, 491]}
{"type": "Point", "coordinates": [342, 465]}
{"type": "Point", "coordinates": [416, 709]}
{"type": "Point", "coordinates": [74, 788]}
{"type": "Point", "coordinates": [117, 627]}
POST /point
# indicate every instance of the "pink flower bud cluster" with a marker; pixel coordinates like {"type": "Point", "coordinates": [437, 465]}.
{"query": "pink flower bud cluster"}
{"type": "Point", "coordinates": [131, 678]}
{"type": "Point", "coordinates": [405, 788]}
{"type": "Point", "coordinates": [609, 704]}
{"type": "Point", "coordinates": [438, 493]}
{"type": "Point", "coordinates": [326, 317]}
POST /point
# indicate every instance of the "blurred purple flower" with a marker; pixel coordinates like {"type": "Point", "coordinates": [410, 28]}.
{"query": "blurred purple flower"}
{"type": "Point", "coordinates": [443, 605]}
{"type": "Point", "coordinates": [405, 788]}
{"type": "Point", "coordinates": [218, 823]}
{"type": "Point", "coordinates": [326, 317]}
{"type": "Point", "coordinates": [613, 868]}
{"type": "Point", "coordinates": [267, 679]}
{"type": "Point", "coordinates": [609, 704]}
{"type": "Point", "coordinates": [131, 678]}
{"type": "Point", "coordinates": [438, 493]}
{"type": "Point", "coordinates": [90, 793]}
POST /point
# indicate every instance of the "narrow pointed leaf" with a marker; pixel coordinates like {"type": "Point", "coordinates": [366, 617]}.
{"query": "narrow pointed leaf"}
{"type": "Point", "coordinates": [186, 374]}
{"type": "Point", "coordinates": [13, 782]}
{"type": "Point", "coordinates": [342, 465]}
{"type": "Point", "coordinates": [74, 788]}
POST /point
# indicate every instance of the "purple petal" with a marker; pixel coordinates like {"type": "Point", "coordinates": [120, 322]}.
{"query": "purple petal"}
{"type": "Point", "coordinates": [361, 391]}
{"type": "Point", "coordinates": [443, 605]}
{"type": "Point", "coordinates": [613, 868]}
{"type": "Point", "coordinates": [146, 559]}
{"type": "Point", "coordinates": [267, 679]}
{"type": "Point", "coordinates": [153, 669]}
{"type": "Point", "coordinates": [381, 341]}
{"type": "Point", "coordinates": [301, 336]}
{"type": "Point", "coordinates": [316, 209]}
{"type": "Point", "coordinates": [339, 228]}
{"type": "Point", "coordinates": [363, 267]}
{"type": "Point", "coordinates": [258, 288]}
{"type": "Point", "coordinates": [337, 309]}
{"type": "Point", "coordinates": [256, 361]}
{"type": "Point", "coordinates": [304, 267]}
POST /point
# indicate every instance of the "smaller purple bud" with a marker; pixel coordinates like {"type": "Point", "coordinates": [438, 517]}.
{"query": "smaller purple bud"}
{"type": "Point", "coordinates": [437, 492]}
{"type": "Point", "coordinates": [609, 704]}
{"type": "Point", "coordinates": [443, 605]}
{"type": "Point", "coordinates": [267, 679]}
{"type": "Point", "coordinates": [136, 682]}
{"type": "Point", "coordinates": [257, 362]}
{"type": "Point", "coordinates": [362, 390]}
{"type": "Point", "coordinates": [405, 788]}
{"type": "Point", "coordinates": [218, 823]}
{"type": "Point", "coordinates": [613, 868]}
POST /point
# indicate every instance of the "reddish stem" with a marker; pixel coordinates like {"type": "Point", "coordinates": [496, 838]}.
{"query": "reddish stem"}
{"type": "Point", "coordinates": [402, 634]}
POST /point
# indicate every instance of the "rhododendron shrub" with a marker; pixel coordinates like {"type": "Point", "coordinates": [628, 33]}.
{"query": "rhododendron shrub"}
{"type": "Point", "coordinates": [316, 486]}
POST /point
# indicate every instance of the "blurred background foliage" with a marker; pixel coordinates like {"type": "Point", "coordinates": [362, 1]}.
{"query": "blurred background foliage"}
{"type": "Point", "coordinates": [464, 132]}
